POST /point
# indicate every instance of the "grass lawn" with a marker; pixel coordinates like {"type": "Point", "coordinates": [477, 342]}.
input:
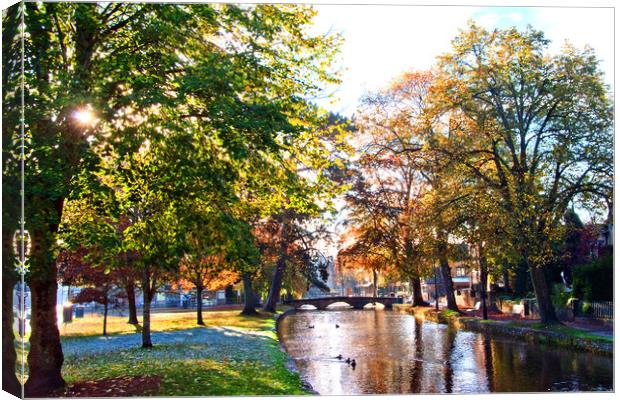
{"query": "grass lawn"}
{"type": "Point", "coordinates": [232, 355]}
{"type": "Point", "coordinates": [450, 313]}
{"type": "Point", "coordinates": [567, 330]}
{"type": "Point", "coordinates": [92, 324]}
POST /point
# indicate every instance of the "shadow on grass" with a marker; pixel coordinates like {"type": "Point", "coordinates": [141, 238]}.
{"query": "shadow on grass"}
{"type": "Point", "coordinates": [193, 362]}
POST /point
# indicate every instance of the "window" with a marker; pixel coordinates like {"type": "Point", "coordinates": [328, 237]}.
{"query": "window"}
{"type": "Point", "coordinates": [461, 271]}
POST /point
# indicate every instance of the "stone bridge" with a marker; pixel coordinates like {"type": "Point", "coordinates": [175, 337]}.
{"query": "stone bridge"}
{"type": "Point", "coordinates": [357, 303]}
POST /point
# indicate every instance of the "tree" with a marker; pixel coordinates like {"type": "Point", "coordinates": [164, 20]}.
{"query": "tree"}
{"type": "Point", "coordinates": [99, 283]}
{"type": "Point", "coordinates": [93, 245]}
{"type": "Point", "coordinates": [205, 274]}
{"type": "Point", "coordinates": [439, 216]}
{"type": "Point", "coordinates": [148, 193]}
{"type": "Point", "coordinates": [482, 231]}
{"type": "Point", "coordinates": [218, 249]}
{"type": "Point", "coordinates": [534, 128]}
{"type": "Point", "coordinates": [159, 250]}
{"type": "Point", "coordinates": [287, 241]}
{"type": "Point", "coordinates": [11, 173]}
{"type": "Point", "coordinates": [128, 280]}
{"type": "Point", "coordinates": [103, 78]}
{"type": "Point", "coordinates": [251, 300]}
{"type": "Point", "coordinates": [105, 295]}
{"type": "Point", "coordinates": [406, 182]}
{"type": "Point", "coordinates": [304, 183]}
{"type": "Point", "coordinates": [364, 253]}
{"type": "Point", "coordinates": [593, 281]}
{"type": "Point", "coordinates": [578, 245]}
{"type": "Point", "coordinates": [126, 275]}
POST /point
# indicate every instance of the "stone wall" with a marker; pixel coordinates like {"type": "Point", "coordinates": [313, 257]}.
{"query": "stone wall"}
{"type": "Point", "coordinates": [517, 332]}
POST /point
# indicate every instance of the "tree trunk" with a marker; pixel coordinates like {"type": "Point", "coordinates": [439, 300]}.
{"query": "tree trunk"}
{"type": "Point", "coordinates": [199, 290]}
{"type": "Point", "coordinates": [375, 277]}
{"type": "Point", "coordinates": [417, 299]}
{"type": "Point", "coordinates": [446, 277]}
{"type": "Point", "coordinates": [541, 289]}
{"type": "Point", "coordinates": [483, 282]}
{"type": "Point", "coordinates": [131, 303]}
{"type": "Point", "coordinates": [146, 321]}
{"type": "Point", "coordinates": [276, 282]}
{"type": "Point", "coordinates": [231, 296]}
{"type": "Point", "coordinates": [146, 309]}
{"type": "Point", "coordinates": [250, 300]}
{"type": "Point", "coordinates": [105, 316]}
{"type": "Point", "coordinates": [506, 278]}
{"type": "Point", "coordinates": [45, 357]}
{"type": "Point", "coordinates": [11, 23]}
{"type": "Point", "coordinates": [10, 383]}
{"type": "Point", "coordinates": [520, 285]}
{"type": "Point", "coordinates": [276, 285]}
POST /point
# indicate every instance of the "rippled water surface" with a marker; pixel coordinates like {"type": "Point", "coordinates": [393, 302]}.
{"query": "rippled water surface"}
{"type": "Point", "coordinates": [396, 354]}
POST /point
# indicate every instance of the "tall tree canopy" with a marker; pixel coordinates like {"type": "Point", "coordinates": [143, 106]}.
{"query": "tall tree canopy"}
{"type": "Point", "coordinates": [105, 81]}
{"type": "Point", "coordinates": [532, 127]}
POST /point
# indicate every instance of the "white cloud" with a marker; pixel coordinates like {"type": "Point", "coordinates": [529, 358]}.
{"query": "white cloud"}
{"type": "Point", "coordinates": [488, 20]}
{"type": "Point", "coordinates": [515, 17]}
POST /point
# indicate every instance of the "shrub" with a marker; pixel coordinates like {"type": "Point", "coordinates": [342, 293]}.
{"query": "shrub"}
{"type": "Point", "coordinates": [594, 281]}
{"type": "Point", "coordinates": [585, 308]}
{"type": "Point", "coordinates": [560, 296]}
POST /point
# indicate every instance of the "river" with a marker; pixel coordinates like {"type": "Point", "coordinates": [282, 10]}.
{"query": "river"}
{"type": "Point", "coordinates": [395, 353]}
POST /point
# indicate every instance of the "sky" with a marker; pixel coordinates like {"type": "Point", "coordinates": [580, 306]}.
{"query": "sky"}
{"type": "Point", "coordinates": [380, 41]}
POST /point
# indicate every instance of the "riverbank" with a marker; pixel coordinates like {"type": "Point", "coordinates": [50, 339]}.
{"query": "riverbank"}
{"type": "Point", "coordinates": [290, 363]}
{"type": "Point", "coordinates": [533, 332]}
{"type": "Point", "coordinates": [232, 355]}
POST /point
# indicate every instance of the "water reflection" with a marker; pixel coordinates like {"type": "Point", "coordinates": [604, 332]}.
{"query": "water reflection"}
{"type": "Point", "coordinates": [397, 354]}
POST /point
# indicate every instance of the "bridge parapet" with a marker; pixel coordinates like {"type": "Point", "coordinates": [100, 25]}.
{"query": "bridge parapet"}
{"type": "Point", "coordinates": [356, 302]}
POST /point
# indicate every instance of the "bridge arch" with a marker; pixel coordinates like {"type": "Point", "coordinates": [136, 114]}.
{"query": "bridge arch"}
{"type": "Point", "coordinates": [339, 304]}
{"type": "Point", "coordinates": [323, 303]}
{"type": "Point", "coordinates": [375, 304]}
{"type": "Point", "coordinates": [307, 307]}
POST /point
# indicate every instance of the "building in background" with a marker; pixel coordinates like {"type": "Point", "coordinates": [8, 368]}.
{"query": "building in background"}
{"type": "Point", "coordinates": [465, 281]}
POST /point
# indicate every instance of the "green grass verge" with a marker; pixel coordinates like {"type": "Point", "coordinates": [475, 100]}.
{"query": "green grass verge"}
{"type": "Point", "coordinates": [450, 313]}
{"type": "Point", "coordinates": [229, 375]}
{"type": "Point", "coordinates": [563, 329]}
{"type": "Point", "coordinates": [233, 355]}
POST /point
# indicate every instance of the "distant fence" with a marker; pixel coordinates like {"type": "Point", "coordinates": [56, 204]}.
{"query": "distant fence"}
{"type": "Point", "coordinates": [594, 309]}
{"type": "Point", "coordinates": [123, 310]}
{"type": "Point", "coordinates": [603, 310]}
